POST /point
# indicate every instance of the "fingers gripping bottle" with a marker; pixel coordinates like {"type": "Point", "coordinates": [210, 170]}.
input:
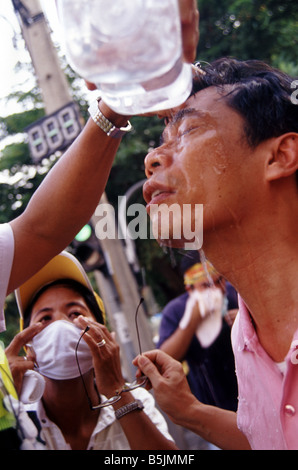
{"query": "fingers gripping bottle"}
{"type": "Point", "coordinates": [131, 50]}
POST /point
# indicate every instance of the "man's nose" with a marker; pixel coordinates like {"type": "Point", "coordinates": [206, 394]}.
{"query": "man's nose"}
{"type": "Point", "coordinates": [159, 157]}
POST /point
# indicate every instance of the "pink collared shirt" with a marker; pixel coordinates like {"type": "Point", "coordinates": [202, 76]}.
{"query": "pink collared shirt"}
{"type": "Point", "coordinates": [268, 399]}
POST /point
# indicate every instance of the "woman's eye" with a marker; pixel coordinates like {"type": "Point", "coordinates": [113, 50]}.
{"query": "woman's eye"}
{"type": "Point", "coordinates": [75, 314]}
{"type": "Point", "coordinates": [45, 318]}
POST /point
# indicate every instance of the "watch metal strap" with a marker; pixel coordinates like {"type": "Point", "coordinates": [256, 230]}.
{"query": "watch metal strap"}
{"type": "Point", "coordinates": [125, 409]}
{"type": "Point", "coordinates": [105, 125]}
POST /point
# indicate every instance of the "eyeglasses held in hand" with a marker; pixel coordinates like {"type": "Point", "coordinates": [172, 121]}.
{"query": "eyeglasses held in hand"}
{"type": "Point", "coordinates": [139, 382]}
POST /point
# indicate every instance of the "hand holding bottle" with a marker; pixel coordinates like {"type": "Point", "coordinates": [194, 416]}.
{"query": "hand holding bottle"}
{"type": "Point", "coordinates": [190, 32]}
{"type": "Point", "coordinates": [190, 28]}
{"type": "Point", "coordinates": [133, 51]}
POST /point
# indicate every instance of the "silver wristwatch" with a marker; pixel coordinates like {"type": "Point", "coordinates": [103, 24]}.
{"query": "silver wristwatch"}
{"type": "Point", "coordinates": [134, 405]}
{"type": "Point", "coordinates": [105, 125]}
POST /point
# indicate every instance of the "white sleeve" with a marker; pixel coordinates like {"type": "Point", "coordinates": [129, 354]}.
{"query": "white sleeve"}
{"type": "Point", "coordinates": [151, 410]}
{"type": "Point", "coordinates": [6, 259]}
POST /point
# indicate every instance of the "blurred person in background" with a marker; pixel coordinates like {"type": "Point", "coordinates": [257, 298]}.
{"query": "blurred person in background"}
{"type": "Point", "coordinates": [195, 331]}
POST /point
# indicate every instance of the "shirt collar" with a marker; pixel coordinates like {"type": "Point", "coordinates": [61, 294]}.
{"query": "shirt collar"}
{"type": "Point", "coordinates": [247, 336]}
{"type": "Point", "coordinates": [247, 339]}
{"type": "Point", "coordinates": [106, 417]}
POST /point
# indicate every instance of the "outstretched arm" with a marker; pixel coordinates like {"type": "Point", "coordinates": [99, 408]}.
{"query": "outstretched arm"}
{"type": "Point", "coordinates": [67, 198]}
{"type": "Point", "coordinates": [65, 201]}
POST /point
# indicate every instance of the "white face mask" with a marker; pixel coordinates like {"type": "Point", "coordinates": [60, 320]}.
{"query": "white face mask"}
{"type": "Point", "coordinates": [55, 348]}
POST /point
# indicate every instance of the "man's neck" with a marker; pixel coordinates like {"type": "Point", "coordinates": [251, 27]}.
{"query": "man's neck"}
{"type": "Point", "coordinates": [264, 272]}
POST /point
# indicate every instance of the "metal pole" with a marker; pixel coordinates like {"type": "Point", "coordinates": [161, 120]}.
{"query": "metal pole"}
{"type": "Point", "coordinates": [125, 284]}
{"type": "Point", "coordinates": [36, 33]}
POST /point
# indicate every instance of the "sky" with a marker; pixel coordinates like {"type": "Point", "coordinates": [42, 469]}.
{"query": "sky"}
{"type": "Point", "coordinates": [9, 27]}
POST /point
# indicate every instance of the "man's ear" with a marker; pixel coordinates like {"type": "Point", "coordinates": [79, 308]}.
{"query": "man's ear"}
{"type": "Point", "coordinates": [283, 160]}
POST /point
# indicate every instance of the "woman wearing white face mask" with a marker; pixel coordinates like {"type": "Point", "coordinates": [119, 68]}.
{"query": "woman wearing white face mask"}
{"type": "Point", "coordinates": [80, 373]}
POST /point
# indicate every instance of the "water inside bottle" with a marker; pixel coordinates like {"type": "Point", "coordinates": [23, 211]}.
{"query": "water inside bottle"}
{"type": "Point", "coordinates": [143, 97]}
{"type": "Point", "coordinates": [131, 51]}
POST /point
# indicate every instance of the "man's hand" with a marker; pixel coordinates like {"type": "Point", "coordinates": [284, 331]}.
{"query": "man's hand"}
{"type": "Point", "coordinates": [167, 378]}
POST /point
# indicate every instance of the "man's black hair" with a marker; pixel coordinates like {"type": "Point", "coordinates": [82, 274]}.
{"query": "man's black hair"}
{"type": "Point", "coordinates": [261, 94]}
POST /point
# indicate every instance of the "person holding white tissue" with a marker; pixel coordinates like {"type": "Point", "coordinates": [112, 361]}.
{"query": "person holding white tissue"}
{"type": "Point", "coordinates": [85, 404]}
{"type": "Point", "coordinates": [194, 330]}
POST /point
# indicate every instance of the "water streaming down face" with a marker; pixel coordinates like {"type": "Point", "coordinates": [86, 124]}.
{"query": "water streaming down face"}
{"type": "Point", "coordinates": [199, 163]}
{"type": "Point", "coordinates": [168, 249]}
{"type": "Point", "coordinates": [204, 263]}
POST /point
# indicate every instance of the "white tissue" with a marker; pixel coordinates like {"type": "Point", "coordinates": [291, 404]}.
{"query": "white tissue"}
{"type": "Point", "coordinates": [32, 388]}
{"type": "Point", "coordinates": [210, 303]}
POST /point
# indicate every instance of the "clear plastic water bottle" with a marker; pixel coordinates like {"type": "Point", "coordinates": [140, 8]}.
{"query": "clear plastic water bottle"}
{"type": "Point", "coordinates": [131, 50]}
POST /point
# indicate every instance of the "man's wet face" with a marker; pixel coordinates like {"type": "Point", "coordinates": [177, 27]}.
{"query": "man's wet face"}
{"type": "Point", "coordinates": [201, 160]}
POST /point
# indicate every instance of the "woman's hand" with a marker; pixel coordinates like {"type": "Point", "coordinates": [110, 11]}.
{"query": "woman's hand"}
{"type": "Point", "coordinates": [106, 356]}
{"type": "Point", "coordinates": [20, 364]}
